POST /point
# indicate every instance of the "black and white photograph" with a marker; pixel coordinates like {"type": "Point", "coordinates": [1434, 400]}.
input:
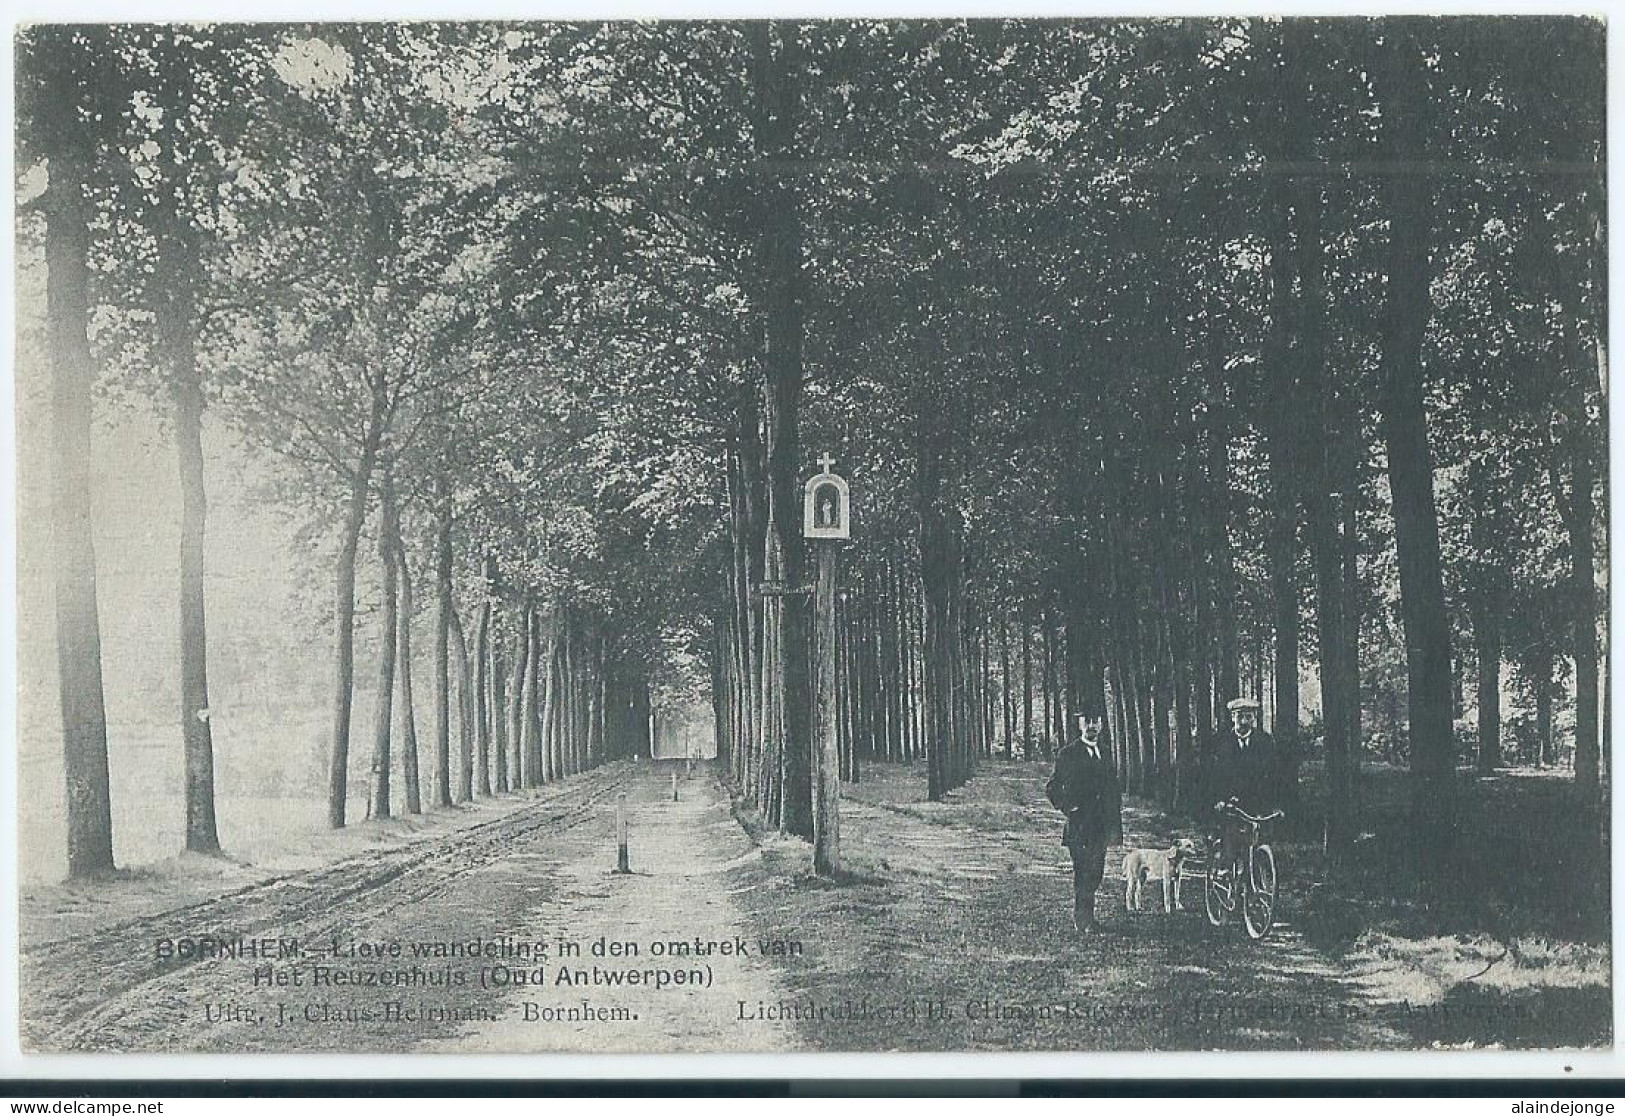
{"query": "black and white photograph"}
{"type": "Point", "coordinates": [699, 536]}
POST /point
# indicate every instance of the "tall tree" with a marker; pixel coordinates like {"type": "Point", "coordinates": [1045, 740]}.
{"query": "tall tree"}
{"type": "Point", "coordinates": [776, 78]}
{"type": "Point", "coordinates": [62, 104]}
{"type": "Point", "coordinates": [1408, 196]}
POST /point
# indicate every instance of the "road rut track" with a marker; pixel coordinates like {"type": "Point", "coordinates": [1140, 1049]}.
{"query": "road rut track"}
{"type": "Point", "coordinates": [74, 990]}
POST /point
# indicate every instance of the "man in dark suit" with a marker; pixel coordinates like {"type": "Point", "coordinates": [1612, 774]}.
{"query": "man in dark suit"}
{"type": "Point", "coordinates": [1247, 770]}
{"type": "Point", "coordinates": [1085, 789]}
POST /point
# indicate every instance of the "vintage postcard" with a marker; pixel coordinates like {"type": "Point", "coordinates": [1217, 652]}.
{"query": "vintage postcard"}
{"type": "Point", "coordinates": [812, 536]}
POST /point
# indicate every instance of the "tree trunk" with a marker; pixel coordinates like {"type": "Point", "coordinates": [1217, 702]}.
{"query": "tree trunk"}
{"type": "Point", "coordinates": [1216, 677]}
{"type": "Point", "coordinates": [575, 697]}
{"type": "Point", "coordinates": [531, 707]}
{"type": "Point", "coordinates": [1583, 292]}
{"type": "Point", "coordinates": [939, 580]}
{"type": "Point", "coordinates": [1046, 686]}
{"type": "Point", "coordinates": [1133, 706]}
{"type": "Point", "coordinates": [909, 610]}
{"type": "Point", "coordinates": [777, 96]}
{"type": "Point", "coordinates": [383, 714]}
{"type": "Point", "coordinates": [748, 501]}
{"type": "Point", "coordinates": [1353, 610]}
{"type": "Point", "coordinates": [878, 696]}
{"type": "Point", "coordinates": [177, 328]}
{"type": "Point", "coordinates": [984, 687]}
{"type": "Point", "coordinates": [1410, 459]}
{"type": "Point", "coordinates": [344, 620]}
{"type": "Point", "coordinates": [1577, 508]}
{"type": "Point", "coordinates": [1578, 512]}
{"type": "Point", "coordinates": [721, 701]}
{"type": "Point", "coordinates": [556, 745]}
{"type": "Point", "coordinates": [871, 726]}
{"type": "Point", "coordinates": [494, 726]}
{"type": "Point", "coordinates": [1176, 662]}
{"type": "Point", "coordinates": [886, 654]}
{"type": "Point", "coordinates": [773, 687]}
{"type": "Point", "coordinates": [486, 713]}
{"type": "Point", "coordinates": [1005, 693]}
{"type": "Point", "coordinates": [78, 629]}
{"type": "Point", "coordinates": [512, 712]}
{"type": "Point", "coordinates": [565, 694]}
{"type": "Point", "coordinates": [743, 536]}
{"type": "Point", "coordinates": [1212, 607]}
{"type": "Point", "coordinates": [1323, 494]}
{"type": "Point", "coordinates": [1224, 594]}
{"type": "Point", "coordinates": [408, 714]}
{"type": "Point", "coordinates": [1486, 616]}
{"type": "Point", "coordinates": [467, 690]}
{"type": "Point", "coordinates": [1281, 558]}
{"type": "Point", "coordinates": [525, 722]}
{"type": "Point", "coordinates": [1281, 403]}
{"type": "Point", "coordinates": [1543, 710]}
{"type": "Point", "coordinates": [846, 697]}
{"type": "Point", "coordinates": [1063, 683]}
{"type": "Point", "coordinates": [826, 759]}
{"type": "Point", "coordinates": [1118, 711]}
{"type": "Point", "coordinates": [1326, 547]}
{"type": "Point", "coordinates": [442, 647]}
{"type": "Point", "coordinates": [1026, 690]}
{"type": "Point", "coordinates": [596, 737]}
{"type": "Point", "coordinates": [645, 719]}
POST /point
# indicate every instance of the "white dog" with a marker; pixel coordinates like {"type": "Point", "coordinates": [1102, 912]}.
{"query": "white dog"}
{"type": "Point", "coordinates": [1166, 865]}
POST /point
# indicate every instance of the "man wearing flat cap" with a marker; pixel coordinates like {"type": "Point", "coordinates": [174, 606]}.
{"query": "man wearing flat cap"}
{"type": "Point", "coordinates": [1085, 788]}
{"type": "Point", "coordinates": [1247, 770]}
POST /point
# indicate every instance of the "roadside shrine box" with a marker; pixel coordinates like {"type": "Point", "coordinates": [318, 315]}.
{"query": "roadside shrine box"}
{"type": "Point", "coordinates": [826, 510]}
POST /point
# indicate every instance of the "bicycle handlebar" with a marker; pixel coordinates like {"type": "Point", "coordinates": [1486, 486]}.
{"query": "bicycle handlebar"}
{"type": "Point", "coordinates": [1236, 811]}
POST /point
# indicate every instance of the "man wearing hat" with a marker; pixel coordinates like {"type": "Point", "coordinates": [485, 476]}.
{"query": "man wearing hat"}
{"type": "Point", "coordinates": [1085, 788]}
{"type": "Point", "coordinates": [1247, 769]}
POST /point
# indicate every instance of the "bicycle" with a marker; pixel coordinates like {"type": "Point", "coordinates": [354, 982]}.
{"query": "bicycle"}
{"type": "Point", "coordinates": [1258, 886]}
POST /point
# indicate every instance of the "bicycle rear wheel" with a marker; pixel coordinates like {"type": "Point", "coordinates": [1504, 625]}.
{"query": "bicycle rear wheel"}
{"type": "Point", "coordinates": [1258, 904]}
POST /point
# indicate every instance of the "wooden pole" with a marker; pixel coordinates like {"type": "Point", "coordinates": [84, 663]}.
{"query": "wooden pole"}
{"type": "Point", "coordinates": [826, 742]}
{"type": "Point", "coordinates": [623, 864]}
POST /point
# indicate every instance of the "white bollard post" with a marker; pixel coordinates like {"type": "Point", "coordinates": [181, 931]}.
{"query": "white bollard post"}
{"type": "Point", "coordinates": [623, 864]}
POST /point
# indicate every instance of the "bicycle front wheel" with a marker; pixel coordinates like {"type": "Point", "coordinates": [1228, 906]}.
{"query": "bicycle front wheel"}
{"type": "Point", "coordinates": [1258, 905]}
{"type": "Point", "coordinates": [1215, 892]}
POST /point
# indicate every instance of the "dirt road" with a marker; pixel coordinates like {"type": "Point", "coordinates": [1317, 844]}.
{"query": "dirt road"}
{"type": "Point", "coordinates": [449, 944]}
{"type": "Point", "coordinates": [951, 932]}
